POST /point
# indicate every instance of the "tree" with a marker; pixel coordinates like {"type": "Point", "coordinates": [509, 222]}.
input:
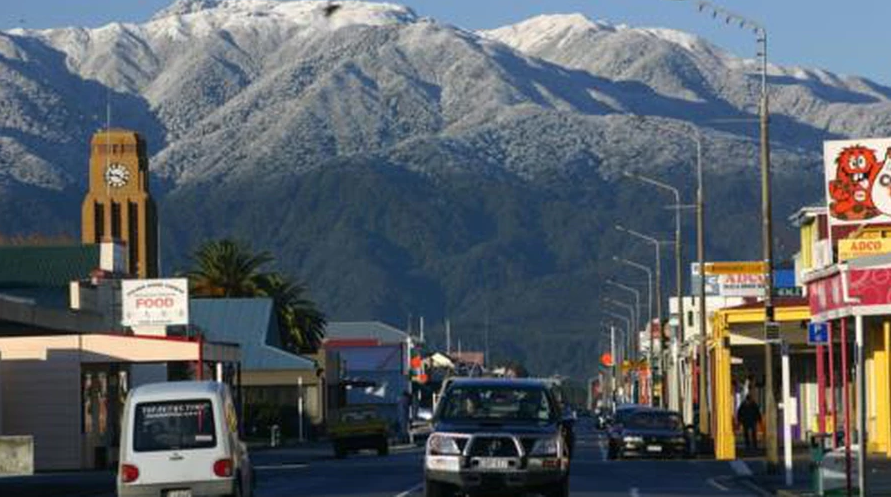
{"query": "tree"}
{"type": "Point", "coordinates": [226, 268]}
{"type": "Point", "coordinates": [302, 324]}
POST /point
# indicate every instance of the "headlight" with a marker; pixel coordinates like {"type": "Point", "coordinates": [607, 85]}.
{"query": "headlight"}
{"type": "Point", "coordinates": [546, 447]}
{"type": "Point", "coordinates": [442, 445]}
{"type": "Point", "coordinates": [633, 439]}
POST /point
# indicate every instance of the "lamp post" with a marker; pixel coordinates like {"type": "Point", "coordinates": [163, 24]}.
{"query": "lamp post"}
{"type": "Point", "coordinates": [635, 339]}
{"type": "Point", "coordinates": [652, 355]}
{"type": "Point", "coordinates": [700, 256]}
{"type": "Point", "coordinates": [618, 363]}
{"type": "Point", "coordinates": [630, 308]}
{"type": "Point", "coordinates": [770, 407]}
{"type": "Point", "coordinates": [679, 283]}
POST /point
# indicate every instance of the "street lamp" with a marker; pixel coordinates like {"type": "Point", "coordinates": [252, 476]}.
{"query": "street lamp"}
{"type": "Point", "coordinates": [679, 282]}
{"type": "Point", "coordinates": [770, 407]}
{"type": "Point", "coordinates": [700, 256]}
{"type": "Point", "coordinates": [617, 370]}
{"type": "Point", "coordinates": [652, 354]}
{"type": "Point", "coordinates": [635, 339]}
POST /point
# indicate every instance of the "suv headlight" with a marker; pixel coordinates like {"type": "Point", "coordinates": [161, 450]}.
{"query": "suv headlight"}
{"type": "Point", "coordinates": [546, 447]}
{"type": "Point", "coordinates": [441, 445]}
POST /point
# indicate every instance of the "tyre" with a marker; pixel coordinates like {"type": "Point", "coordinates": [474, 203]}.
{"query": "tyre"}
{"type": "Point", "coordinates": [236, 488]}
{"type": "Point", "coordinates": [560, 489]}
{"type": "Point", "coordinates": [437, 489]}
{"type": "Point", "coordinates": [613, 453]}
{"type": "Point", "coordinates": [383, 448]}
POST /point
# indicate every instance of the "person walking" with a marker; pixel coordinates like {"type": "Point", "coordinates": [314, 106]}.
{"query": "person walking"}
{"type": "Point", "coordinates": [749, 415]}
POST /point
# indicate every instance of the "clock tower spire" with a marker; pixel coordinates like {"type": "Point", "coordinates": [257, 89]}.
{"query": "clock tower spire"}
{"type": "Point", "coordinates": [118, 206]}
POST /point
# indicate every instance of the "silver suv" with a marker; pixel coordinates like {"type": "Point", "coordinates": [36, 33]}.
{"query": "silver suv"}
{"type": "Point", "coordinates": [497, 436]}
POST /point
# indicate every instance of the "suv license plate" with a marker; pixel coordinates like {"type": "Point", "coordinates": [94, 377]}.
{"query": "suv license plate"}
{"type": "Point", "coordinates": [178, 493]}
{"type": "Point", "coordinates": [654, 448]}
{"type": "Point", "coordinates": [493, 463]}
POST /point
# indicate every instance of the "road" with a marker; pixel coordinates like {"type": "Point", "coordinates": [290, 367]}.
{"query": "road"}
{"type": "Point", "coordinates": [401, 475]}
{"type": "Point", "coordinates": [315, 473]}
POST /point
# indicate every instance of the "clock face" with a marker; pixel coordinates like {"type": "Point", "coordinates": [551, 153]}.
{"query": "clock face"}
{"type": "Point", "coordinates": [117, 175]}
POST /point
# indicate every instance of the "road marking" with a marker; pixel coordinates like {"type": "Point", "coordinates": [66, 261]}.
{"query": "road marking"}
{"type": "Point", "coordinates": [714, 483]}
{"type": "Point", "coordinates": [740, 468]}
{"type": "Point", "coordinates": [412, 490]}
{"type": "Point", "coordinates": [280, 466]}
{"type": "Point", "coordinates": [755, 488]}
{"type": "Point", "coordinates": [634, 492]}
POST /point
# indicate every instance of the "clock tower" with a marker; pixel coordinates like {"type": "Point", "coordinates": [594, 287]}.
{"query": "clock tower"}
{"type": "Point", "coordinates": [118, 206]}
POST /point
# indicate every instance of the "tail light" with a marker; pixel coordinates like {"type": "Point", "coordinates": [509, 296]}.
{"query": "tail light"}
{"type": "Point", "coordinates": [223, 468]}
{"type": "Point", "coordinates": [129, 473]}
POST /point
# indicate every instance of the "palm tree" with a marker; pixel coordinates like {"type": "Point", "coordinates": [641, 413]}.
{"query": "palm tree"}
{"type": "Point", "coordinates": [226, 268]}
{"type": "Point", "coordinates": [302, 324]}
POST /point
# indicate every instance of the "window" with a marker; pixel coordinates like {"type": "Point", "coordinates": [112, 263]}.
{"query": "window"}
{"type": "Point", "coordinates": [174, 425]}
{"type": "Point", "coordinates": [482, 403]}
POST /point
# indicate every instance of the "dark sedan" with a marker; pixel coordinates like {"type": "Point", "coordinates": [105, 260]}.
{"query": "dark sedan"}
{"type": "Point", "coordinates": [649, 433]}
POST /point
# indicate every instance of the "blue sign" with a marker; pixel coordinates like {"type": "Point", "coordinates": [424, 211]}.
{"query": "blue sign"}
{"type": "Point", "coordinates": [817, 334]}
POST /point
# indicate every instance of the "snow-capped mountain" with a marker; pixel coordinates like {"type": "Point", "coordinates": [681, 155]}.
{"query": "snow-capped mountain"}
{"type": "Point", "coordinates": [399, 163]}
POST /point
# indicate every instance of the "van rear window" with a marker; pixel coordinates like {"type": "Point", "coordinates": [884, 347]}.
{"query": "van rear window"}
{"type": "Point", "coordinates": [174, 425]}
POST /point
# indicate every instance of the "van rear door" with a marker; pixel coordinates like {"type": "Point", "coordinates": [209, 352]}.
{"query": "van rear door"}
{"type": "Point", "coordinates": [177, 440]}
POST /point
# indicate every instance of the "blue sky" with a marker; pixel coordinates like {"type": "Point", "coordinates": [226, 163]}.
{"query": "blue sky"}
{"type": "Point", "coordinates": [844, 36]}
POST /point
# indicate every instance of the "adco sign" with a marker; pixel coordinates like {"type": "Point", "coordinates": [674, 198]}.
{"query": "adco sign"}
{"type": "Point", "coordinates": [163, 302]}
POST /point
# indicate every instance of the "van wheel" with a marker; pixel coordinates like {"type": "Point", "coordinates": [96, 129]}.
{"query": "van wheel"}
{"type": "Point", "coordinates": [236, 488]}
{"type": "Point", "coordinates": [559, 490]}
{"type": "Point", "coordinates": [383, 448]}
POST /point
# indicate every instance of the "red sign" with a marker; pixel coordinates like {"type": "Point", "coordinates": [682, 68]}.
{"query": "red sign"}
{"type": "Point", "coordinates": [866, 287]}
{"type": "Point", "coordinates": [606, 359]}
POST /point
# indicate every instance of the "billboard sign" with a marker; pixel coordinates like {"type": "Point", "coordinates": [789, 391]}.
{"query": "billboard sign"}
{"type": "Point", "coordinates": [852, 248]}
{"type": "Point", "coordinates": [858, 181]}
{"type": "Point", "coordinates": [158, 302]}
{"type": "Point", "coordinates": [730, 279]}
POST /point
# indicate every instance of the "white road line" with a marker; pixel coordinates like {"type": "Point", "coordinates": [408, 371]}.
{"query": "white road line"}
{"type": "Point", "coordinates": [280, 466]}
{"type": "Point", "coordinates": [634, 492]}
{"type": "Point", "coordinates": [412, 490]}
{"type": "Point", "coordinates": [714, 483]}
{"type": "Point", "coordinates": [755, 488]}
{"type": "Point", "coordinates": [740, 468]}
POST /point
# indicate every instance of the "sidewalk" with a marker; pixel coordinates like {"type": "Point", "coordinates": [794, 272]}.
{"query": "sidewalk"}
{"type": "Point", "coordinates": [878, 481]}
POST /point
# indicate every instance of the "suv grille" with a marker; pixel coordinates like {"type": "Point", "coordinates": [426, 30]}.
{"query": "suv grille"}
{"type": "Point", "coordinates": [493, 447]}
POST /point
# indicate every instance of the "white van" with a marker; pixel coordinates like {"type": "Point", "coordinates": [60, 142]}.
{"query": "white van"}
{"type": "Point", "coordinates": [180, 439]}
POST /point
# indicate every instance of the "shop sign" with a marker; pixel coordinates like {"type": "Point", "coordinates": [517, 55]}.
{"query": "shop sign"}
{"type": "Point", "coordinates": [851, 248]}
{"type": "Point", "coordinates": [858, 181]}
{"type": "Point", "coordinates": [730, 279]}
{"type": "Point", "coordinates": [158, 302]}
{"type": "Point", "coordinates": [735, 267]}
{"type": "Point", "coordinates": [825, 295]}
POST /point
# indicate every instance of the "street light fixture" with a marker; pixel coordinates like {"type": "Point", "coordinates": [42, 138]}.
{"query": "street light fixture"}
{"type": "Point", "coordinates": [770, 407]}
{"type": "Point", "coordinates": [700, 256]}
{"type": "Point", "coordinates": [635, 339]}
{"type": "Point", "coordinates": [679, 282]}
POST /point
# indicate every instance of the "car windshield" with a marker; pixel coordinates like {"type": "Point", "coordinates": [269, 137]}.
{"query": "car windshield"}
{"type": "Point", "coordinates": [174, 425]}
{"type": "Point", "coordinates": [654, 421]}
{"type": "Point", "coordinates": [497, 403]}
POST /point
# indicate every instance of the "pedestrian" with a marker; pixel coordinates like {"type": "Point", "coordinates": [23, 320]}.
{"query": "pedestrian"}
{"type": "Point", "coordinates": [749, 415]}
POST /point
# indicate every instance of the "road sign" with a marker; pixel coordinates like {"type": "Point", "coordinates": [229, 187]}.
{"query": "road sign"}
{"type": "Point", "coordinates": [606, 359]}
{"type": "Point", "coordinates": [772, 330]}
{"type": "Point", "coordinates": [736, 267]}
{"type": "Point", "coordinates": [817, 334]}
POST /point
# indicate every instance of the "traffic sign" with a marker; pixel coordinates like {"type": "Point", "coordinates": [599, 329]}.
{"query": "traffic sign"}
{"type": "Point", "coordinates": [745, 267]}
{"type": "Point", "coordinates": [606, 359]}
{"type": "Point", "coordinates": [772, 330]}
{"type": "Point", "coordinates": [817, 334]}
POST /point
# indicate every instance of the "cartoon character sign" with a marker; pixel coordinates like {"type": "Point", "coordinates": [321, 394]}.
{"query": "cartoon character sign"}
{"type": "Point", "coordinates": [858, 183]}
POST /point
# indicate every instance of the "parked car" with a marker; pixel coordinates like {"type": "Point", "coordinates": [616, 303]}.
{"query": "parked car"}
{"type": "Point", "coordinates": [649, 433]}
{"type": "Point", "coordinates": [358, 427]}
{"type": "Point", "coordinates": [500, 436]}
{"type": "Point", "coordinates": [180, 439]}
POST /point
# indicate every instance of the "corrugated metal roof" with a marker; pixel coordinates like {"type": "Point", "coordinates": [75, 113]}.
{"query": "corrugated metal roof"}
{"type": "Point", "coordinates": [354, 330]}
{"type": "Point", "coordinates": [249, 323]}
{"type": "Point", "coordinates": [51, 266]}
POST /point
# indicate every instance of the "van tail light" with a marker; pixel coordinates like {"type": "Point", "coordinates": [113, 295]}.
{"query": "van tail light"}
{"type": "Point", "coordinates": [129, 473]}
{"type": "Point", "coordinates": [223, 468]}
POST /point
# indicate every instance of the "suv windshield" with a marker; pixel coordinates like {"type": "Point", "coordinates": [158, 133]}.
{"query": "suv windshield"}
{"type": "Point", "coordinates": [174, 425]}
{"type": "Point", "coordinates": [654, 421]}
{"type": "Point", "coordinates": [497, 403]}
